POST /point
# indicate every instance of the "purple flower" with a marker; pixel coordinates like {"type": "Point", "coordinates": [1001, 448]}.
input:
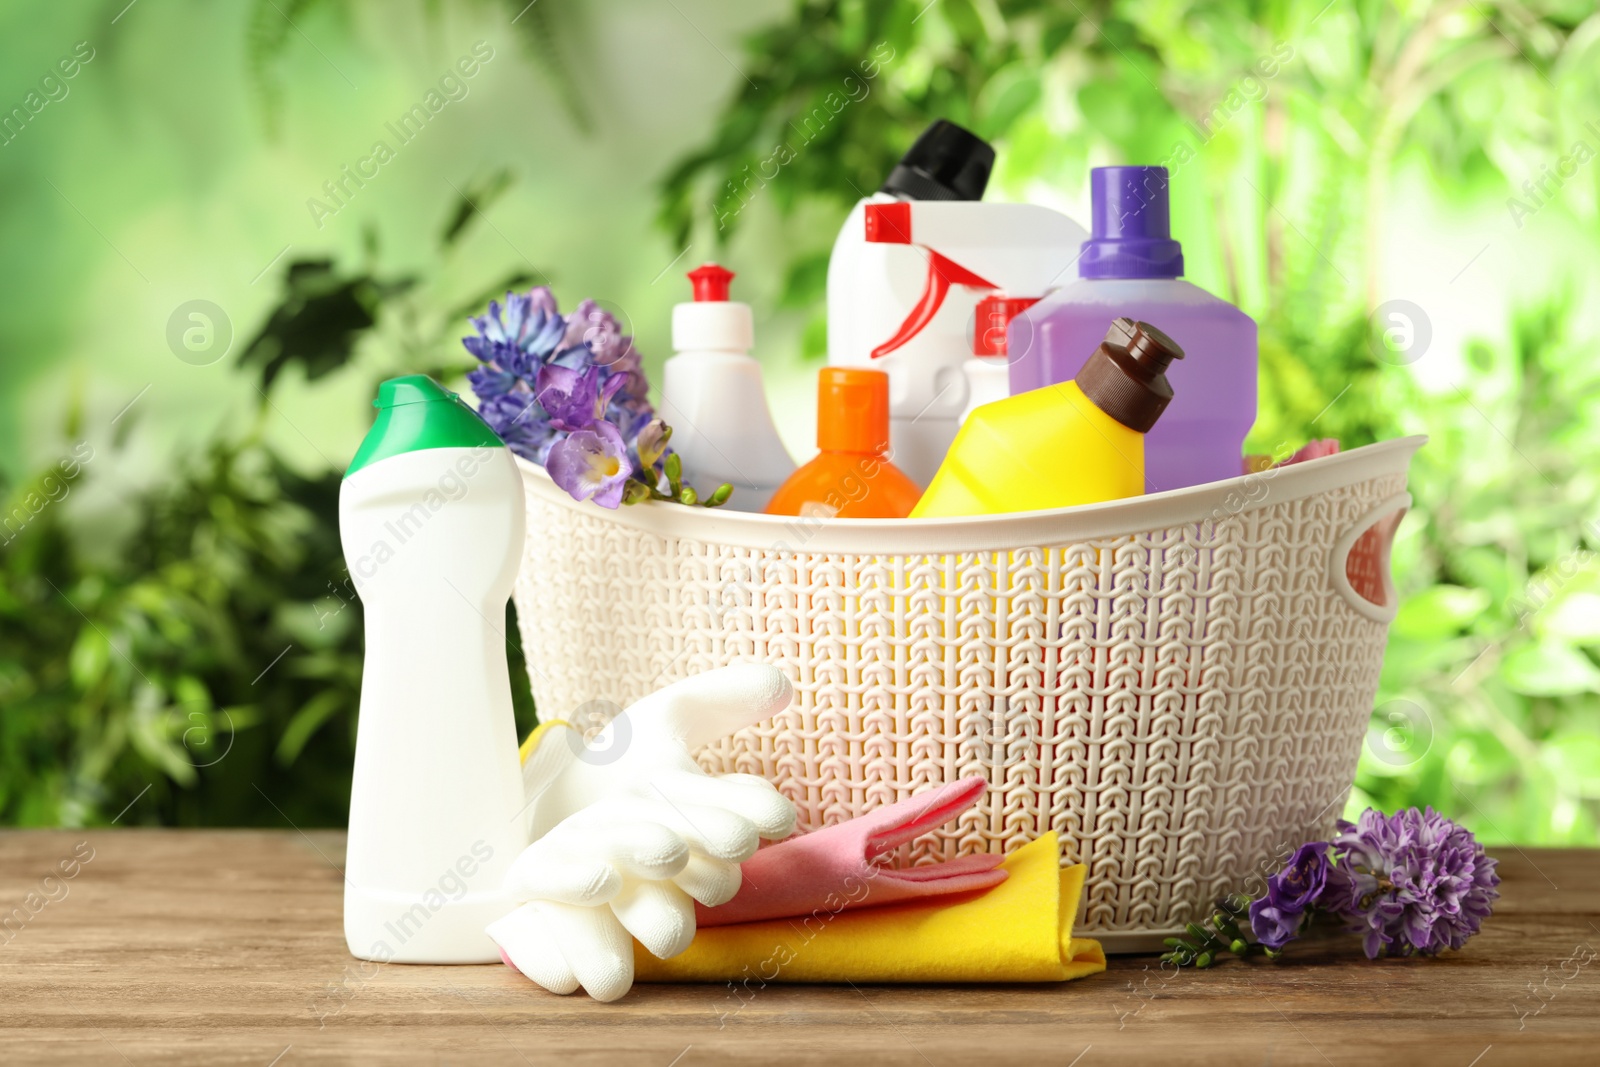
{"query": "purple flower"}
{"type": "Point", "coordinates": [1300, 883]}
{"type": "Point", "coordinates": [1273, 926]}
{"type": "Point", "coordinates": [570, 397]}
{"type": "Point", "coordinates": [543, 377]}
{"type": "Point", "coordinates": [490, 381]}
{"type": "Point", "coordinates": [591, 464]}
{"type": "Point", "coordinates": [650, 444]}
{"type": "Point", "coordinates": [1412, 882]}
{"type": "Point", "coordinates": [596, 332]}
{"type": "Point", "coordinates": [529, 321]}
{"type": "Point", "coordinates": [594, 327]}
{"type": "Point", "coordinates": [1276, 917]}
{"type": "Point", "coordinates": [520, 423]}
{"type": "Point", "coordinates": [518, 338]}
{"type": "Point", "coordinates": [540, 298]}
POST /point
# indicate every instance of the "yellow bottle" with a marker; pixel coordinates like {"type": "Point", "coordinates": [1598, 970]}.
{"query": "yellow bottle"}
{"type": "Point", "coordinates": [1078, 442]}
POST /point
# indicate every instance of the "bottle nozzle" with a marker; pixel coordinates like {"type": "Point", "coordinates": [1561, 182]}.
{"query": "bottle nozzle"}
{"type": "Point", "coordinates": [710, 283]}
{"type": "Point", "coordinates": [1126, 377]}
{"type": "Point", "coordinates": [1148, 346]}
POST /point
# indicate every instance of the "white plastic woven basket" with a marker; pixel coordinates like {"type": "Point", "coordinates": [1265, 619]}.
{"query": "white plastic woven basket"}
{"type": "Point", "coordinates": [1179, 684]}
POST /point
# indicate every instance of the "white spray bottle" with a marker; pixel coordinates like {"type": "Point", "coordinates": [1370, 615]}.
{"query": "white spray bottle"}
{"type": "Point", "coordinates": [870, 286]}
{"type": "Point", "coordinates": [969, 251]}
{"type": "Point", "coordinates": [431, 517]}
{"type": "Point", "coordinates": [712, 397]}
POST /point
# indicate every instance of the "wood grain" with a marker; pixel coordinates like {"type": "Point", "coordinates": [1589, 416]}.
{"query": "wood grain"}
{"type": "Point", "coordinates": [226, 947]}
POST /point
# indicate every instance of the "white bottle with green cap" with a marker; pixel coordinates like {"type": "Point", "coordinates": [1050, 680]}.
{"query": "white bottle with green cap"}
{"type": "Point", "coordinates": [431, 517]}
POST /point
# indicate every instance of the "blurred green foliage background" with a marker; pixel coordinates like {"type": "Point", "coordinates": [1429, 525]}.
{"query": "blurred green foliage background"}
{"type": "Point", "coordinates": [179, 642]}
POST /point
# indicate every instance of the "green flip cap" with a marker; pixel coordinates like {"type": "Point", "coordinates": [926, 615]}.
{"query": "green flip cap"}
{"type": "Point", "coordinates": [414, 413]}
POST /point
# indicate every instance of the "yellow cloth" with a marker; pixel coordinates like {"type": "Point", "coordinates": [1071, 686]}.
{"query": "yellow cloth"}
{"type": "Point", "coordinates": [536, 735]}
{"type": "Point", "coordinates": [1019, 931]}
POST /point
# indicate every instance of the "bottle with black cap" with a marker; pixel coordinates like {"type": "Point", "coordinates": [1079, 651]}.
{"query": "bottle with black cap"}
{"type": "Point", "coordinates": [869, 284]}
{"type": "Point", "coordinates": [1080, 442]}
{"type": "Point", "coordinates": [910, 311]}
{"type": "Point", "coordinates": [946, 163]}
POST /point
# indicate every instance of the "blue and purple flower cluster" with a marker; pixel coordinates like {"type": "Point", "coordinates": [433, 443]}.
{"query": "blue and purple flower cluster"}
{"type": "Point", "coordinates": [567, 393]}
{"type": "Point", "coordinates": [1409, 883]}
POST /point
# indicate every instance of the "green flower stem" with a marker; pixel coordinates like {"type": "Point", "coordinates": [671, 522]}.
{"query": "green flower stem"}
{"type": "Point", "coordinates": [1203, 946]}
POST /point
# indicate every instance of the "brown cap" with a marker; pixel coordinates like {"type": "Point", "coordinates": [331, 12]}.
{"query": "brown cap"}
{"type": "Point", "coordinates": [1126, 377]}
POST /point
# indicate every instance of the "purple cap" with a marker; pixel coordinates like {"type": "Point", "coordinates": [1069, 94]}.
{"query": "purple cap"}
{"type": "Point", "coordinates": [1131, 224]}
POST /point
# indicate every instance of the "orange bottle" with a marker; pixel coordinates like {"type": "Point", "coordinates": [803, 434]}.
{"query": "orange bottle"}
{"type": "Point", "coordinates": [852, 477]}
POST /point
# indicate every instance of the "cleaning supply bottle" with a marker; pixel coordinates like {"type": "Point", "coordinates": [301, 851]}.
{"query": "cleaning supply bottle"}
{"type": "Point", "coordinates": [970, 251]}
{"type": "Point", "coordinates": [989, 372]}
{"type": "Point", "coordinates": [870, 286]}
{"type": "Point", "coordinates": [712, 397]}
{"type": "Point", "coordinates": [1080, 442]}
{"type": "Point", "coordinates": [1132, 267]}
{"type": "Point", "coordinates": [851, 477]}
{"type": "Point", "coordinates": [431, 518]}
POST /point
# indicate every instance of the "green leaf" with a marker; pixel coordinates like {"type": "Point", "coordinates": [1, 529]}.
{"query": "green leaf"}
{"type": "Point", "coordinates": [545, 30]}
{"type": "Point", "coordinates": [318, 710]}
{"type": "Point", "coordinates": [155, 733]}
{"type": "Point", "coordinates": [1573, 759]}
{"type": "Point", "coordinates": [1010, 94]}
{"type": "Point", "coordinates": [91, 654]}
{"type": "Point", "coordinates": [1439, 611]}
{"type": "Point", "coordinates": [1546, 668]}
{"type": "Point", "coordinates": [962, 17]}
{"type": "Point", "coordinates": [1478, 757]}
{"type": "Point", "coordinates": [1573, 617]}
{"type": "Point", "coordinates": [322, 316]}
{"type": "Point", "coordinates": [814, 338]}
{"type": "Point", "coordinates": [806, 281]}
{"type": "Point", "coordinates": [474, 200]}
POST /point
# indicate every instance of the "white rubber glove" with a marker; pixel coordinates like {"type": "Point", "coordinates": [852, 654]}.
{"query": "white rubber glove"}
{"type": "Point", "coordinates": [628, 832]}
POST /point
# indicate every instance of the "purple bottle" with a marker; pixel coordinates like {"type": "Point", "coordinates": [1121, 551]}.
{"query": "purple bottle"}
{"type": "Point", "coordinates": [1131, 266]}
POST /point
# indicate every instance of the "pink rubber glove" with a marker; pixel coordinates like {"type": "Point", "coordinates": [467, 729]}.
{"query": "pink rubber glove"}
{"type": "Point", "coordinates": [1327, 446]}
{"type": "Point", "coordinates": [837, 867]}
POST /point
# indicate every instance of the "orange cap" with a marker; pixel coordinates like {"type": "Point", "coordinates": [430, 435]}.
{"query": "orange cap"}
{"type": "Point", "coordinates": [852, 410]}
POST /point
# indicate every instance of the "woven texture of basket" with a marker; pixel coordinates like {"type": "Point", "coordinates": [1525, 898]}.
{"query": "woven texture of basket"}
{"type": "Point", "coordinates": [1179, 685]}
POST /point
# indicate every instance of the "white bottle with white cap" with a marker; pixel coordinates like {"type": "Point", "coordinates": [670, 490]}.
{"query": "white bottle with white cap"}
{"type": "Point", "coordinates": [713, 398]}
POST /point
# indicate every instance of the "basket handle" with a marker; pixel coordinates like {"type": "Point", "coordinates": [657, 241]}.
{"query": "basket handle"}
{"type": "Point", "coordinates": [1359, 563]}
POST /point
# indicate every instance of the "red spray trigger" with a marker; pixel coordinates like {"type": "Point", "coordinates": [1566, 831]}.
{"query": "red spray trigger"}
{"type": "Point", "coordinates": [890, 224]}
{"type": "Point", "coordinates": [710, 283]}
{"type": "Point", "coordinates": [942, 273]}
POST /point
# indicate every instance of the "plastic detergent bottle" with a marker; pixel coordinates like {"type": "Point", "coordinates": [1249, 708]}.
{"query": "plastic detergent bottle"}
{"type": "Point", "coordinates": [989, 372]}
{"type": "Point", "coordinates": [871, 285]}
{"type": "Point", "coordinates": [431, 518]}
{"type": "Point", "coordinates": [713, 398]}
{"type": "Point", "coordinates": [851, 477]}
{"type": "Point", "coordinates": [1132, 267]}
{"type": "Point", "coordinates": [969, 251]}
{"type": "Point", "coordinates": [1079, 442]}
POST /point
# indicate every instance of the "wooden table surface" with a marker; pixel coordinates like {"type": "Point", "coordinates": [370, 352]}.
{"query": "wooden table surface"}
{"type": "Point", "coordinates": [226, 947]}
